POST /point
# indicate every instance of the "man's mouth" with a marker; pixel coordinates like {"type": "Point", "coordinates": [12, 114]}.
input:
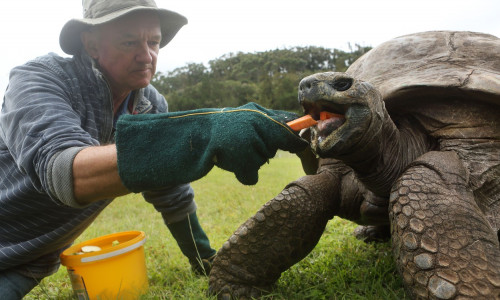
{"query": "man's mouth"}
{"type": "Point", "coordinates": [141, 70]}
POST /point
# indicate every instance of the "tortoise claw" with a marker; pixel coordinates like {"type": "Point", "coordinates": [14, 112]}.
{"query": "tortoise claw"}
{"type": "Point", "coordinates": [237, 292]}
{"type": "Point", "coordinates": [369, 234]}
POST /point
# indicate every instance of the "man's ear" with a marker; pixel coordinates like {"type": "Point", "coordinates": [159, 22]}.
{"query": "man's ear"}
{"type": "Point", "coordinates": [89, 41]}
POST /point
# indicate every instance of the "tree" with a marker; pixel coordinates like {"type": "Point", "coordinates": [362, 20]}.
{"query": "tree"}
{"type": "Point", "coordinates": [269, 78]}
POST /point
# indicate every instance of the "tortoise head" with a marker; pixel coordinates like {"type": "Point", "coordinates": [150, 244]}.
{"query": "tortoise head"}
{"type": "Point", "coordinates": [353, 103]}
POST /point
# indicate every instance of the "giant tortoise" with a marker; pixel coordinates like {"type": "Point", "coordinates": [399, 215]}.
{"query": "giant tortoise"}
{"type": "Point", "coordinates": [414, 151]}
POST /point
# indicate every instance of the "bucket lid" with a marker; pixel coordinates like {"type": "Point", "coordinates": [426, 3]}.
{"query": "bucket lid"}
{"type": "Point", "coordinates": [111, 245]}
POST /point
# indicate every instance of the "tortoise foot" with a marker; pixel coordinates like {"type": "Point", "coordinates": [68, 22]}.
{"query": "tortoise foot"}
{"type": "Point", "coordinates": [369, 234]}
{"type": "Point", "coordinates": [230, 291]}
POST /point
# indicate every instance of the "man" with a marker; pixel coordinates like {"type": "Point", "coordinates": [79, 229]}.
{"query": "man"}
{"type": "Point", "coordinates": [77, 132]}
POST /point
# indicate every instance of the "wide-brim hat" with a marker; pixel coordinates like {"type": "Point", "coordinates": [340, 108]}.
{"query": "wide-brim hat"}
{"type": "Point", "coordinates": [96, 12]}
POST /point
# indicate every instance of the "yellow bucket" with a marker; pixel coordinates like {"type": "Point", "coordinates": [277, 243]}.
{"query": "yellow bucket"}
{"type": "Point", "coordinates": [116, 271]}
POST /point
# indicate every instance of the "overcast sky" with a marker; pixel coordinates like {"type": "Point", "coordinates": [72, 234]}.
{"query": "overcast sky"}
{"type": "Point", "coordinates": [29, 28]}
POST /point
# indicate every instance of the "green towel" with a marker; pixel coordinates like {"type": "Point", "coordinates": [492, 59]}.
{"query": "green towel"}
{"type": "Point", "coordinates": [172, 148]}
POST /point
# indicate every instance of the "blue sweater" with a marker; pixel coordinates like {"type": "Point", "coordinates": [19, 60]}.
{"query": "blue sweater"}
{"type": "Point", "coordinates": [53, 108]}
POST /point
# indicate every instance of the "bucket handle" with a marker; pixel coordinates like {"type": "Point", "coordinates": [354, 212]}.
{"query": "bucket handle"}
{"type": "Point", "coordinates": [113, 253]}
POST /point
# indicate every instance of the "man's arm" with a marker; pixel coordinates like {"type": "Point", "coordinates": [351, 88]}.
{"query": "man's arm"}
{"type": "Point", "coordinates": [95, 175]}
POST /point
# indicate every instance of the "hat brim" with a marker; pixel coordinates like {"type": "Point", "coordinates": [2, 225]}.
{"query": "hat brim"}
{"type": "Point", "coordinates": [70, 42]}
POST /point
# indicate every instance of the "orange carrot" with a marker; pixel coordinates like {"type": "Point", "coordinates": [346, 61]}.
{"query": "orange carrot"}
{"type": "Point", "coordinates": [302, 122]}
{"type": "Point", "coordinates": [328, 115]}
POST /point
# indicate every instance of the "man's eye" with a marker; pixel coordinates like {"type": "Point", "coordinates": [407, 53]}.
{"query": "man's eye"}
{"type": "Point", "coordinates": [129, 43]}
{"type": "Point", "coordinates": [154, 43]}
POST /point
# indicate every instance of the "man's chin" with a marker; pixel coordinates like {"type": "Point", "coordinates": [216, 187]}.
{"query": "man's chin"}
{"type": "Point", "coordinates": [139, 84]}
{"type": "Point", "coordinates": [142, 78]}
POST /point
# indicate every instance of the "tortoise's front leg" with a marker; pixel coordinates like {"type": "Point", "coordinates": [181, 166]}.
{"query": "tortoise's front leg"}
{"type": "Point", "coordinates": [443, 245]}
{"type": "Point", "coordinates": [280, 234]}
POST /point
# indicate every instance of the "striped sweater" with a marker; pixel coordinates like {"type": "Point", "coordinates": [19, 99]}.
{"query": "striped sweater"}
{"type": "Point", "coordinates": [54, 107]}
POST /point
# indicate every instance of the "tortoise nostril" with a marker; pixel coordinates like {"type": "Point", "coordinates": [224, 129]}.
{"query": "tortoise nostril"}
{"type": "Point", "coordinates": [342, 84]}
{"type": "Point", "coordinates": [306, 84]}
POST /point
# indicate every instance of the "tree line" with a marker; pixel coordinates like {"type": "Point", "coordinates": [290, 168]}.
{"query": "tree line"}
{"type": "Point", "coordinates": [268, 78]}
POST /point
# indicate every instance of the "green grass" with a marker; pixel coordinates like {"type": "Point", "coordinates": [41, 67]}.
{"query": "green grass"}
{"type": "Point", "coordinates": [340, 267]}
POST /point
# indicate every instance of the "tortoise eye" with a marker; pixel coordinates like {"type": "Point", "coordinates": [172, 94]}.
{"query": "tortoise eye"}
{"type": "Point", "coordinates": [342, 84]}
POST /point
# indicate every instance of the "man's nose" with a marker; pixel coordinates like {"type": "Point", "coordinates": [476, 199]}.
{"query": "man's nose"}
{"type": "Point", "coordinates": [145, 54]}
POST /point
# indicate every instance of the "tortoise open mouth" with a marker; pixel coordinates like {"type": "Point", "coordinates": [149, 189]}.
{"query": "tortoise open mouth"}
{"type": "Point", "coordinates": [327, 126]}
{"type": "Point", "coordinates": [330, 116]}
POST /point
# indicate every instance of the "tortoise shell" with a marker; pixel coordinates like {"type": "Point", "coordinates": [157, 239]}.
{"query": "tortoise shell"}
{"type": "Point", "coordinates": [433, 64]}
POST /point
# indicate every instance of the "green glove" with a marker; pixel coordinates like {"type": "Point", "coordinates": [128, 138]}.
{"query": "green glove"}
{"type": "Point", "coordinates": [155, 151]}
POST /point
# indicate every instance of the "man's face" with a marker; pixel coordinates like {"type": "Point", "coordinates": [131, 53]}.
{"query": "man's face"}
{"type": "Point", "coordinates": [127, 51]}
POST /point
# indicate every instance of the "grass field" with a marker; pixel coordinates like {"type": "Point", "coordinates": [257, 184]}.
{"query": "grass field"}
{"type": "Point", "coordinates": [340, 267]}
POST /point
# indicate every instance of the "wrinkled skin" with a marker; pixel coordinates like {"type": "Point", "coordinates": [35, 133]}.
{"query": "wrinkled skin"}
{"type": "Point", "coordinates": [429, 171]}
{"type": "Point", "coordinates": [412, 153]}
